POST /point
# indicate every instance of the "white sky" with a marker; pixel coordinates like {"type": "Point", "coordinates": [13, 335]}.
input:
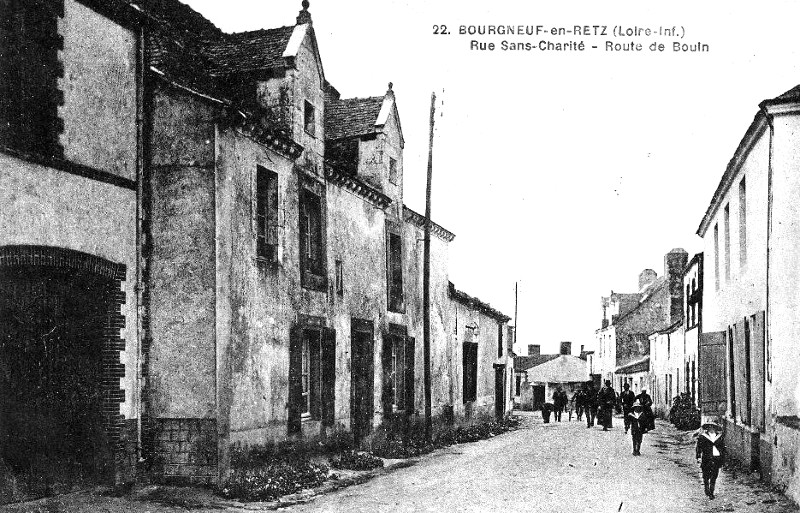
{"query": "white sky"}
{"type": "Point", "coordinates": [568, 172]}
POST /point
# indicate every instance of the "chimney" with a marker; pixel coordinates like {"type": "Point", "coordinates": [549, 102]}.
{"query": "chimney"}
{"type": "Point", "coordinates": [566, 348]}
{"type": "Point", "coordinates": [646, 277]}
{"type": "Point", "coordinates": [582, 348]}
{"type": "Point", "coordinates": [534, 349]}
{"type": "Point", "coordinates": [674, 266]}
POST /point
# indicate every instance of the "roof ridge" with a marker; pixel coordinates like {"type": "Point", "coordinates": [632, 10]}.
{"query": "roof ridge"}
{"type": "Point", "coordinates": [249, 32]}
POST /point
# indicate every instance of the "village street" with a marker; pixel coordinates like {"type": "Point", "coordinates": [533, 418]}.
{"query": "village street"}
{"type": "Point", "coordinates": [556, 467]}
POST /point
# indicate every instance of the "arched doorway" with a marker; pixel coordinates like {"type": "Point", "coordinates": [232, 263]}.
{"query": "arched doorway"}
{"type": "Point", "coordinates": [59, 368]}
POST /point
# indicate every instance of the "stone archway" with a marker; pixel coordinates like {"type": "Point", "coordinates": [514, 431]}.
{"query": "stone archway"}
{"type": "Point", "coordinates": [60, 368]}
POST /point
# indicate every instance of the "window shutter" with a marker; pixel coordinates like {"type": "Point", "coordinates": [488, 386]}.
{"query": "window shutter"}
{"type": "Point", "coordinates": [410, 383]}
{"type": "Point", "coordinates": [295, 383]}
{"type": "Point", "coordinates": [387, 395]}
{"type": "Point", "coordinates": [315, 375]}
{"type": "Point", "coordinates": [328, 376]}
{"type": "Point", "coordinates": [272, 212]}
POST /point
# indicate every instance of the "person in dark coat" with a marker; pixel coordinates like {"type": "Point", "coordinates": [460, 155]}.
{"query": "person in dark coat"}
{"type": "Point", "coordinates": [547, 409]}
{"type": "Point", "coordinates": [635, 420]}
{"type": "Point", "coordinates": [647, 407]}
{"type": "Point", "coordinates": [559, 402]}
{"type": "Point", "coordinates": [590, 404]}
{"type": "Point", "coordinates": [627, 399]}
{"type": "Point", "coordinates": [580, 401]}
{"type": "Point", "coordinates": [606, 399]}
{"type": "Point", "coordinates": [710, 454]}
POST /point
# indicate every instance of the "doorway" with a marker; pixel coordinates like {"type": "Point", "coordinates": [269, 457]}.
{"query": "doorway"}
{"type": "Point", "coordinates": [362, 375]}
{"type": "Point", "coordinates": [53, 433]}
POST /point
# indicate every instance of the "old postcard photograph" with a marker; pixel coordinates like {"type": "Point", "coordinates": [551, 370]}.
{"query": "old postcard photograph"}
{"type": "Point", "coordinates": [261, 255]}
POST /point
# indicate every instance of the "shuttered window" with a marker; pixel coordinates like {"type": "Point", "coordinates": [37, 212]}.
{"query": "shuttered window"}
{"type": "Point", "coordinates": [470, 369]}
{"type": "Point", "coordinates": [312, 376]}
{"type": "Point", "coordinates": [266, 214]}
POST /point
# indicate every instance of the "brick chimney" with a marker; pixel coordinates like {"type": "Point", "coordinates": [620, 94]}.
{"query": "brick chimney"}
{"type": "Point", "coordinates": [646, 277]}
{"type": "Point", "coordinates": [674, 264]}
{"type": "Point", "coordinates": [566, 348]}
{"type": "Point", "coordinates": [534, 349]}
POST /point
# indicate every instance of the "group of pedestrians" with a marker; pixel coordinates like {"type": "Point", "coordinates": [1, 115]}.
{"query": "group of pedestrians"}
{"type": "Point", "coordinates": [638, 418]}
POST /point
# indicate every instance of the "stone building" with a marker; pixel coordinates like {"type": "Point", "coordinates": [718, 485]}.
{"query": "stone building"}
{"type": "Point", "coordinates": [70, 169]}
{"type": "Point", "coordinates": [693, 324]}
{"type": "Point", "coordinates": [666, 366]}
{"type": "Point", "coordinates": [629, 319]}
{"type": "Point", "coordinates": [748, 355]}
{"type": "Point", "coordinates": [231, 235]}
{"type": "Point", "coordinates": [283, 270]}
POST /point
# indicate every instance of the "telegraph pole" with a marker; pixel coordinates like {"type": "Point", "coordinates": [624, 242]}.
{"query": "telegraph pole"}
{"type": "Point", "coordinates": [426, 282]}
{"type": "Point", "coordinates": [516, 301]}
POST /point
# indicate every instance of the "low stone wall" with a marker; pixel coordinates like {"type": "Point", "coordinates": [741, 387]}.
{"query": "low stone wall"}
{"type": "Point", "coordinates": [185, 450]}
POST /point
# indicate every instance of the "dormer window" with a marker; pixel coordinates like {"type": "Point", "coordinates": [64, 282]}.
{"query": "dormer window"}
{"type": "Point", "coordinates": [309, 118]}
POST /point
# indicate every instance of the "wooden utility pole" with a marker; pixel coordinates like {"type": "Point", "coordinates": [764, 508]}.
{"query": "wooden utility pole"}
{"type": "Point", "coordinates": [516, 301]}
{"type": "Point", "coordinates": [426, 282]}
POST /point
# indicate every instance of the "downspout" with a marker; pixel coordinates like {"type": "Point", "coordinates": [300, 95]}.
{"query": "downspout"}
{"type": "Point", "coordinates": [139, 291]}
{"type": "Point", "coordinates": [768, 334]}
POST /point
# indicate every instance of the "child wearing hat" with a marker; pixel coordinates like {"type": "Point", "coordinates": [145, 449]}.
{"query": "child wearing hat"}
{"type": "Point", "coordinates": [710, 454]}
{"type": "Point", "coordinates": [637, 421]}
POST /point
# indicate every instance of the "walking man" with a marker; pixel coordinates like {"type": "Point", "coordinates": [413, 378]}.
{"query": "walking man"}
{"type": "Point", "coordinates": [606, 399]}
{"type": "Point", "coordinates": [627, 398]}
{"type": "Point", "coordinates": [559, 402]}
{"type": "Point", "coordinates": [590, 404]}
{"type": "Point", "coordinates": [580, 401]}
{"type": "Point", "coordinates": [710, 453]}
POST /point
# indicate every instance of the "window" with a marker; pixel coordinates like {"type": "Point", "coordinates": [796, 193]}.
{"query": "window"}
{"type": "Point", "coordinates": [312, 242]}
{"type": "Point", "coordinates": [393, 170]}
{"type": "Point", "coordinates": [266, 211]}
{"type": "Point", "coordinates": [716, 256]}
{"type": "Point", "coordinates": [519, 385]}
{"type": "Point", "coordinates": [398, 374]}
{"type": "Point", "coordinates": [308, 377]}
{"type": "Point", "coordinates": [394, 262]}
{"type": "Point", "coordinates": [339, 278]}
{"type": "Point", "coordinates": [309, 118]}
{"type": "Point", "coordinates": [688, 307]}
{"type": "Point", "coordinates": [398, 370]}
{"type": "Point", "coordinates": [470, 369]}
{"type": "Point", "coordinates": [742, 224]}
{"type": "Point", "coordinates": [29, 90]}
{"type": "Point", "coordinates": [727, 220]}
{"type": "Point", "coordinates": [312, 376]}
{"type": "Point", "coordinates": [499, 340]}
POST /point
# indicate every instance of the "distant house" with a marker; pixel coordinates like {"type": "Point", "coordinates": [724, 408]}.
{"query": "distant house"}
{"type": "Point", "coordinates": [630, 319]}
{"type": "Point", "coordinates": [565, 371]}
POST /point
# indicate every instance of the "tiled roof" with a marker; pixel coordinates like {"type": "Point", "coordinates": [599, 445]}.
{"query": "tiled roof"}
{"type": "Point", "coordinates": [527, 362]}
{"type": "Point", "coordinates": [183, 20]}
{"type": "Point", "coordinates": [477, 304]}
{"type": "Point", "coordinates": [248, 51]}
{"type": "Point", "coordinates": [640, 365]}
{"type": "Point", "coordinates": [791, 94]}
{"type": "Point", "coordinates": [352, 117]}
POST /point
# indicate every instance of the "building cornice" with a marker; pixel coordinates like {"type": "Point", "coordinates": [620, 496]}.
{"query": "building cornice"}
{"type": "Point", "coordinates": [476, 304]}
{"type": "Point", "coordinates": [751, 137]}
{"type": "Point", "coordinates": [418, 220]}
{"type": "Point", "coordinates": [277, 141]}
{"type": "Point", "coordinates": [352, 183]}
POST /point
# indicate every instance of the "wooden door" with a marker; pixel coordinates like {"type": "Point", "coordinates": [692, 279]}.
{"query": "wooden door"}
{"type": "Point", "coordinates": [362, 376]}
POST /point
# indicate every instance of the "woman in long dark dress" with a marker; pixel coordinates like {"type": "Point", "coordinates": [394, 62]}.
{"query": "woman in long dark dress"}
{"type": "Point", "coordinates": [606, 399]}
